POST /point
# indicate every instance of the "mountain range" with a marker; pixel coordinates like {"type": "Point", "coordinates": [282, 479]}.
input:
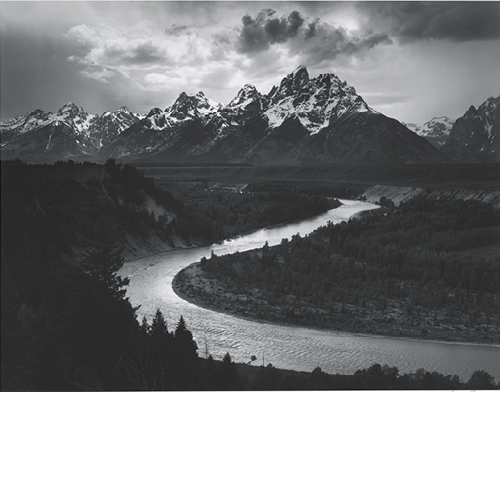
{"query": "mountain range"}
{"type": "Point", "coordinates": [436, 131]}
{"type": "Point", "coordinates": [300, 121]}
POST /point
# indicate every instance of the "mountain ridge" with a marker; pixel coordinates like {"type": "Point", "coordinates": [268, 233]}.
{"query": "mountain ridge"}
{"type": "Point", "coordinates": [475, 136]}
{"type": "Point", "coordinates": [301, 120]}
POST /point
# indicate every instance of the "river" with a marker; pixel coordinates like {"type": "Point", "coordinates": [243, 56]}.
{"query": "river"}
{"type": "Point", "coordinates": [290, 347]}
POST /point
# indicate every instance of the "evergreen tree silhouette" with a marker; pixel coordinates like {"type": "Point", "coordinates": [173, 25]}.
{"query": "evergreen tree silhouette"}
{"type": "Point", "coordinates": [185, 357]}
{"type": "Point", "coordinates": [227, 375]}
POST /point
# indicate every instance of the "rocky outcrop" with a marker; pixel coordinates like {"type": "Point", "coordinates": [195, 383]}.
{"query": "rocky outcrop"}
{"type": "Point", "coordinates": [475, 137]}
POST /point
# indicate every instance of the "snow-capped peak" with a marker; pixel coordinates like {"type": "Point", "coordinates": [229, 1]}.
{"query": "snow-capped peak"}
{"type": "Point", "coordinates": [154, 111]}
{"type": "Point", "coordinates": [70, 109]}
{"type": "Point", "coordinates": [246, 94]}
{"type": "Point", "coordinates": [436, 130]}
{"type": "Point", "coordinates": [315, 102]}
{"type": "Point", "coordinates": [206, 105]}
{"type": "Point", "coordinates": [188, 106]}
{"type": "Point", "coordinates": [292, 83]}
{"type": "Point", "coordinates": [75, 117]}
{"type": "Point", "coordinates": [434, 127]}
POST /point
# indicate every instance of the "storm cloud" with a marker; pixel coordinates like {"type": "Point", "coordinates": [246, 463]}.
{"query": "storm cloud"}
{"type": "Point", "coordinates": [456, 21]}
{"type": "Point", "coordinates": [302, 36]}
{"type": "Point", "coordinates": [265, 30]}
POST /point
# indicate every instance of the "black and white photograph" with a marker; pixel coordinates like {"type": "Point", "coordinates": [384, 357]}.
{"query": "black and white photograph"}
{"type": "Point", "coordinates": [279, 219]}
{"type": "Point", "coordinates": [250, 196]}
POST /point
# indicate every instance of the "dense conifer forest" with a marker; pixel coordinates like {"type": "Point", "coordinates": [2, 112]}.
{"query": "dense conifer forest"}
{"type": "Point", "coordinates": [217, 213]}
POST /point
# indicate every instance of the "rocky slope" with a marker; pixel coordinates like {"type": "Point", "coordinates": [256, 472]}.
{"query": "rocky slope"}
{"type": "Point", "coordinates": [475, 136]}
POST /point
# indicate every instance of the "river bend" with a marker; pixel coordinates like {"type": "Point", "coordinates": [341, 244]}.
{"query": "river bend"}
{"type": "Point", "coordinates": [290, 347]}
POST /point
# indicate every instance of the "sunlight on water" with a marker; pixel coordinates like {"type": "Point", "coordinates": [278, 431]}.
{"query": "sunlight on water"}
{"type": "Point", "coordinates": [289, 347]}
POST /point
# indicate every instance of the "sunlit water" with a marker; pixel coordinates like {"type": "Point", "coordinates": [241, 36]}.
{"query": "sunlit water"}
{"type": "Point", "coordinates": [289, 347]}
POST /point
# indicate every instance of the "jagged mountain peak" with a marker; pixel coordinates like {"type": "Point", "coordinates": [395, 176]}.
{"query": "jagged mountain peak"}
{"type": "Point", "coordinates": [248, 87]}
{"type": "Point", "coordinates": [292, 83]}
{"type": "Point", "coordinates": [331, 86]}
{"type": "Point", "coordinates": [37, 112]}
{"type": "Point", "coordinates": [316, 102]}
{"type": "Point", "coordinates": [475, 136]}
{"type": "Point", "coordinates": [300, 75]}
{"type": "Point", "coordinates": [69, 105]}
{"type": "Point", "coordinates": [154, 111]}
{"type": "Point", "coordinates": [244, 96]}
{"type": "Point", "coordinates": [189, 106]}
{"type": "Point", "coordinates": [120, 111]}
{"type": "Point", "coordinates": [491, 103]}
{"type": "Point", "coordinates": [70, 108]}
{"type": "Point", "coordinates": [247, 103]}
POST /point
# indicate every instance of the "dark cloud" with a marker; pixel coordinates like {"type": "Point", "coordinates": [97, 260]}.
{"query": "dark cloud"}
{"type": "Point", "coordinates": [310, 32]}
{"type": "Point", "coordinates": [456, 21]}
{"type": "Point", "coordinates": [322, 40]}
{"type": "Point", "coordinates": [265, 30]}
{"type": "Point", "coordinates": [373, 40]}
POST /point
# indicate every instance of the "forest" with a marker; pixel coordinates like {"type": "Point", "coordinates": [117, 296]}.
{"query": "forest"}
{"type": "Point", "coordinates": [217, 213]}
{"type": "Point", "coordinates": [66, 323]}
{"type": "Point", "coordinates": [427, 269]}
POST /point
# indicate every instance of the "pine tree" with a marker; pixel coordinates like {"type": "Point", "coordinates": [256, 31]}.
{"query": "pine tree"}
{"type": "Point", "coordinates": [102, 266]}
{"type": "Point", "coordinates": [185, 357]}
{"type": "Point", "coordinates": [228, 378]}
{"type": "Point", "coordinates": [158, 325]}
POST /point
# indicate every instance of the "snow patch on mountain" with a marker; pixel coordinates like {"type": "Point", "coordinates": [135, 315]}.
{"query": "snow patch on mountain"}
{"type": "Point", "coordinates": [436, 130]}
{"type": "Point", "coordinates": [316, 103]}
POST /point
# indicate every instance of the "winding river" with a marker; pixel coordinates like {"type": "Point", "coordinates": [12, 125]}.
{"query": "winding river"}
{"type": "Point", "coordinates": [290, 347]}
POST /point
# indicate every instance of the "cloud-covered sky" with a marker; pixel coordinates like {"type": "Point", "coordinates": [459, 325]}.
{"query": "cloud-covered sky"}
{"type": "Point", "coordinates": [408, 60]}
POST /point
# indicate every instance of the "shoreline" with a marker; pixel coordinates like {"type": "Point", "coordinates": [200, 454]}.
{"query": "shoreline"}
{"type": "Point", "coordinates": [271, 226]}
{"type": "Point", "coordinates": [230, 311]}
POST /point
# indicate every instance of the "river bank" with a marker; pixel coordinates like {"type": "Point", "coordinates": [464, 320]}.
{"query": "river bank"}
{"type": "Point", "coordinates": [193, 285]}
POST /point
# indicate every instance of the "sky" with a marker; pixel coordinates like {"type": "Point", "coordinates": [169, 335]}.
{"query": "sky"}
{"type": "Point", "coordinates": [409, 60]}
